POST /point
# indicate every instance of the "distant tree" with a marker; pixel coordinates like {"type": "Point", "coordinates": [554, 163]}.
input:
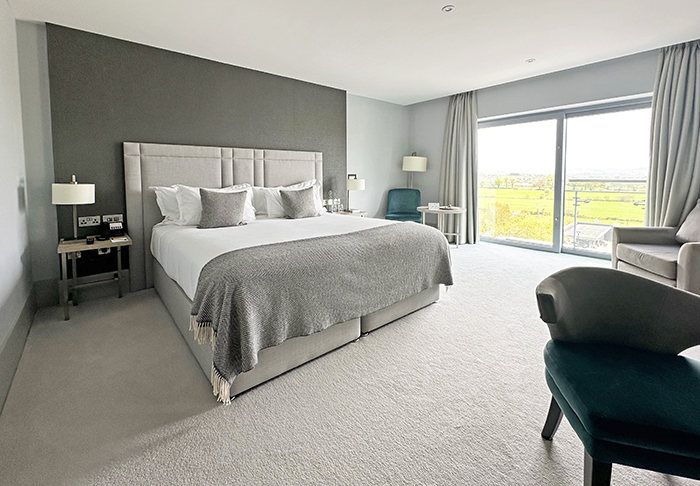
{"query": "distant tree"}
{"type": "Point", "coordinates": [498, 182]}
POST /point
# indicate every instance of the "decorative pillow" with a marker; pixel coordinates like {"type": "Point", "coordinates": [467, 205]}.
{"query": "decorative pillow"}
{"type": "Point", "coordinates": [221, 209]}
{"type": "Point", "coordinates": [690, 229]}
{"type": "Point", "coordinates": [190, 203]}
{"type": "Point", "coordinates": [299, 203]}
{"type": "Point", "coordinates": [166, 198]}
{"type": "Point", "coordinates": [273, 202]}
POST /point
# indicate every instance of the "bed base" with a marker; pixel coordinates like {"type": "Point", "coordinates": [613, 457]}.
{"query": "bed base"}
{"type": "Point", "coordinates": [294, 352]}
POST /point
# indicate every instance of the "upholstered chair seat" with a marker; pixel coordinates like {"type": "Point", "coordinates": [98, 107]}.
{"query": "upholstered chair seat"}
{"type": "Point", "coordinates": [614, 370]}
{"type": "Point", "coordinates": [666, 254]}
{"type": "Point", "coordinates": [629, 406]}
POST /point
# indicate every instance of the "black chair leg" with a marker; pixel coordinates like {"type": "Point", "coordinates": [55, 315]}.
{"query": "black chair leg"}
{"type": "Point", "coordinates": [595, 473]}
{"type": "Point", "coordinates": [553, 420]}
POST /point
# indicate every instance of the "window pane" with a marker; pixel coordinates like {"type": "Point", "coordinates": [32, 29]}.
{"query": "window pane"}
{"type": "Point", "coordinates": [516, 181]}
{"type": "Point", "coordinates": [607, 161]}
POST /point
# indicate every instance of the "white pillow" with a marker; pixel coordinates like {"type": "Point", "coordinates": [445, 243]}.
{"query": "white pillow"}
{"type": "Point", "coordinates": [273, 200]}
{"type": "Point", "coordinates": [190, 203]}
{"type": "Point", "coordinates": [166, 198]}
{"type": "Point", "coordinates": [259, 200]}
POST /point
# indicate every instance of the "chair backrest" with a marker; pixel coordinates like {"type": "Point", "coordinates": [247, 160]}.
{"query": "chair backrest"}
{"type": "Point", "coordinates": [603, 305]}
{"type": "Point", "coordinates": [403, 200]}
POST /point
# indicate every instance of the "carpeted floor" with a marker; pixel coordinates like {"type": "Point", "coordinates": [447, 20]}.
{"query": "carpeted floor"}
{"type": "Point", "coordinates": [453, 394]}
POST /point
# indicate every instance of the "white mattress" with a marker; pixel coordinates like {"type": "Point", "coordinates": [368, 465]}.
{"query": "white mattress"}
{"type": "Point", "coordinates": [183, 251]}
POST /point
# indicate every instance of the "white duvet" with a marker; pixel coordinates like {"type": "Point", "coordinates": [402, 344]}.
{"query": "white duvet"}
{"type": "Point", "coordinates": [183, 251]}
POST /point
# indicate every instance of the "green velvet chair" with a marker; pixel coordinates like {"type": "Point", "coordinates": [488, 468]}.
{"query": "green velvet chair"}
{"type": "Point", "coordinates": [614, 371]}
{"type": "Point", "coordinates": [401, 205]}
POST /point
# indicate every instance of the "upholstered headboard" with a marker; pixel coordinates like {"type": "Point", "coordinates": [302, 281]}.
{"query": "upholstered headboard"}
{"type": "Point", "coordinates": [148, 164]}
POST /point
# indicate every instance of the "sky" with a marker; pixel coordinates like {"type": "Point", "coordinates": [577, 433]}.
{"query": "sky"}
{"type": "Point", "coordinates": [609, 143]}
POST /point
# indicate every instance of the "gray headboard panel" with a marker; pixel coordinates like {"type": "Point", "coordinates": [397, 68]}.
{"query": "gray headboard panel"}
{"type": "Point", "coordinates": [148, 164]}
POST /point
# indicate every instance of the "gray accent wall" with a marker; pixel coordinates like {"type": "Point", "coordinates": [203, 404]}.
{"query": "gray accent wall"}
{"type": "Point", "coordinates": [106, 91]}
{"type": "Point", "coordinates": [377, 141]}
{"type": "Point", "coordinates": [16, 298]}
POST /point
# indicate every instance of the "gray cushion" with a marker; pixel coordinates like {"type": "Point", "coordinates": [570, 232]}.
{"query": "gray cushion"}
{"type": "Point", "coordinates": [299, 203]}
{"type": "Point", "coordinates": [690, 229]}
{"type": "Point", "coordinates": [659, 259]}
{"type": "Point", "coordinates": [222, 208]}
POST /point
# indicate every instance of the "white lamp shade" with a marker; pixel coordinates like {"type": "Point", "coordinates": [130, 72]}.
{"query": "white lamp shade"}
{"type": "Point", "coordinates": [72, 193]}
{"type": "Point", "coordinates": [356, 184]}
{"type": "Point", "coordinates": [413, 163]}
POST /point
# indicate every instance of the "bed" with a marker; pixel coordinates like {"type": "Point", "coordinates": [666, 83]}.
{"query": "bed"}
{"type": "Point", "coordinates": [147, 165]}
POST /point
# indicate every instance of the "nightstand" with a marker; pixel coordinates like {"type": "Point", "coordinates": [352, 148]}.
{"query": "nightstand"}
{"type": "Point", "coordinates": [72, 247]}
{"type": "Point", "coordinates": [360, 214]}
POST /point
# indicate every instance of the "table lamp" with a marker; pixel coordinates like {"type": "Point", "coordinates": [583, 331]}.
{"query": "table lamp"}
{"type": "Point", "coordinates": [73, 194]}
{"type": "Point", "coordinates": [354, 184]}
{"type": "Point", "coordinates": [413, 163]}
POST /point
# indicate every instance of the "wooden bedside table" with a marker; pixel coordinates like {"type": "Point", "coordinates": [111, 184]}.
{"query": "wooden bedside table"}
{"type": "Point", "coordinates": [73, 246]}
{"type": "Point", "coordinates": [360, 214]}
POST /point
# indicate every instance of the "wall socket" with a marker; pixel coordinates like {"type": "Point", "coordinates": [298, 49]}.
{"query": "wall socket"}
{"type": "Point", "coordinates": [88, 221]}
{"type": "Point", "coordinates": [113, 218]}
{"type": "Point", "coordinates": [103, 251]}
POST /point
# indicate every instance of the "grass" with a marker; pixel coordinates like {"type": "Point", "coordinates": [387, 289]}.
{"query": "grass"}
{"type": "Point", "coordinates": [610, 208]}
{"type": "Point", "coordinates": [528, 213]}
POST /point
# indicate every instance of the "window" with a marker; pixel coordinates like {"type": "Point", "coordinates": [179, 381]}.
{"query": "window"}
{"type": "Point", "coordinates": [561, 180]}
{"type": "Point", "coordinates": [516, 181]}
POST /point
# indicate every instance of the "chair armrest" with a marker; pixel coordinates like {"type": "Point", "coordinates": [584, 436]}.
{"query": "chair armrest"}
{"type": "Point", "coordinates": [601, 305]}
{"type": "Point", "coordinates": [664, 235]}
{"type": "Point", "coordinates": [689, 268]}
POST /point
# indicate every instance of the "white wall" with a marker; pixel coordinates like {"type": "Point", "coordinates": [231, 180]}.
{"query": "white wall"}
{"type": "Point", "coordinates": [38, 149]}
{"type": "Point", "coordinates": [427, 127]}
{"type": "Point", "coordinates": [377, 140]}
{"type": "Point", "coordinates": [15, 260]}
{"type": "Point", "coordinates": [625, 76]}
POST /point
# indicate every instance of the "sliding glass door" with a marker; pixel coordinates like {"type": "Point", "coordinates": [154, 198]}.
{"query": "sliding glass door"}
{"type": "Point", "coordinates": [607, 161]}
{"type": "Point", "coordinates": [516, 182]}
{"type": "Point", "coordinates": [561, 180]}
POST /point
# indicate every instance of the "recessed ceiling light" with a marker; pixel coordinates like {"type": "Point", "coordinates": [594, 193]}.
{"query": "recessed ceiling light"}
{"type": "Point", "coordinates": [448, 8]}
{"type": "Point", "coordinates": [530, 61]}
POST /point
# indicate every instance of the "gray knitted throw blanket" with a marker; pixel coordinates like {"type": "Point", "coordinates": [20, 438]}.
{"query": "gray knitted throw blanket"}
{"type": "Point", "coordinates": [253, 298]}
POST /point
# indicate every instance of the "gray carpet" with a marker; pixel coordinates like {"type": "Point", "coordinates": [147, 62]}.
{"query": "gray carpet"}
{"type": "Point", "coordinates": [453, 394]}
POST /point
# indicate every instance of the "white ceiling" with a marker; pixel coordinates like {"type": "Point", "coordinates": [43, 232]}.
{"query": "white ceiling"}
{"type": "Point", "coordinates": [402, 51]}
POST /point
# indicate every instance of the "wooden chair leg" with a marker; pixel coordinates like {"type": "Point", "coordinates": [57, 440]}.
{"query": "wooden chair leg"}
{"type": "Point", "coordinates": [553, 420]}
{"type": "Point", "coordinates": [596, 473]}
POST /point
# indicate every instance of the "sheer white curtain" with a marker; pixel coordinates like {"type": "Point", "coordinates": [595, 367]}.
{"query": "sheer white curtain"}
{"type": "Point", "coordinates": [674, 171]}
{"type": "Point", "coordinates": [458, 173]}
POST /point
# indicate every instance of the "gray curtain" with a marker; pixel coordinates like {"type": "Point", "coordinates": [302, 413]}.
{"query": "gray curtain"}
{"type": "Point", "coordinates": [458, 172]}
{"type": "Point", "coordinates": [674, 171]}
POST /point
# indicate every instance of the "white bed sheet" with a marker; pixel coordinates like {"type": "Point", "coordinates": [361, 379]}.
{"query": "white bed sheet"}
{"type": "Point", "coordinates": [183, 251]}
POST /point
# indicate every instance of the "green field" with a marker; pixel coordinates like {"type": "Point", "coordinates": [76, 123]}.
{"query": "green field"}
{"type": "Point", "coordinates": [527, 212]}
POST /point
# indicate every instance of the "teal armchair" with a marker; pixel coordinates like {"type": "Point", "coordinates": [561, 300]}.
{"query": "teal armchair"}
{"type": "Point", "coordinates": [614, 371]}
{"type": "Point", "coordinates": [401, 205]}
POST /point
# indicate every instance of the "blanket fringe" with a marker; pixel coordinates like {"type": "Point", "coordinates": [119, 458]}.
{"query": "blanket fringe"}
{"type": "Point", "coordinates": [221, 387]}
{"type": "Point", "coordinates": [203, 331]}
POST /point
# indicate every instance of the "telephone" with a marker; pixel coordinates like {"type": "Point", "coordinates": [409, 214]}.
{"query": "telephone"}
{"type": "Point", "coordinates": [108, 230]}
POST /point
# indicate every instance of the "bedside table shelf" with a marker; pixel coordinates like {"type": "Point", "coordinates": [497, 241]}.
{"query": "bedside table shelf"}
{"type": "Point", "coordinates": [71, 247]}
